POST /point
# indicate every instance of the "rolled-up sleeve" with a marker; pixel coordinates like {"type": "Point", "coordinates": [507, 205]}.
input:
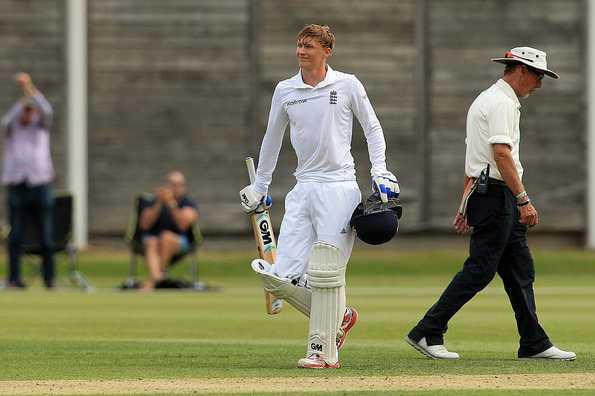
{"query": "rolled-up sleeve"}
{"type": "Point", "coordinates": [501, 123]}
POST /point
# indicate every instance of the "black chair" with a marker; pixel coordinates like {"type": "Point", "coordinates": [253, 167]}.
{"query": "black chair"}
{"type": "Point", "coordinates": [62, 235]}
{"type": "Point", "coordinates": [133, 239]}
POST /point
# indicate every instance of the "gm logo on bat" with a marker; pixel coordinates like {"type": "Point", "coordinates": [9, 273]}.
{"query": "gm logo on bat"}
{"type": "Point", "coordinates": [264, 226]}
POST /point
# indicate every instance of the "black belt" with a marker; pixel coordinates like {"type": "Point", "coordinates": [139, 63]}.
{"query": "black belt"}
{"type": "Point", "coordinates": [491, 180]}
{"type": "Point", "coordinates": [496, 181]}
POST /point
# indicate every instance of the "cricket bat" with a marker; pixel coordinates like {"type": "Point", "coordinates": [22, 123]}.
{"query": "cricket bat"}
{"type": "Point", "coordinates": [265, 241]}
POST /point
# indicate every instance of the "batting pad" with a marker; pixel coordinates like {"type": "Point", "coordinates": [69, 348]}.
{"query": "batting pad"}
{"type": "Point", "coordinates": [326, 277]}
{"type": "Point", "coordinates": [298, 296]}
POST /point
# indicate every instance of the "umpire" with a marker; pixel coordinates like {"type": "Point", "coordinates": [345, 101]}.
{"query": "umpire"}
{"type": "Point", "coordinates": [498, 208]}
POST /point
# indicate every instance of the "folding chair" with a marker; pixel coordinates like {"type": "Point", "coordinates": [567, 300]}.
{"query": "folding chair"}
{"type": "Point", "coordinates": [133, 239]}
{"type": "Point", "coordinates": [62, 234]}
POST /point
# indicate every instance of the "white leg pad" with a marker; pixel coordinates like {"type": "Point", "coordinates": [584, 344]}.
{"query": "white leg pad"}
{"type": "Point", "coordinates": [326, 277]}
{"type": "Point", "coordinates": [298, 296]}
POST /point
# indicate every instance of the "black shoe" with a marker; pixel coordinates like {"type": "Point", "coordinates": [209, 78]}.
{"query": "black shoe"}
{"type": "Point", "coordinates": [18, 284]}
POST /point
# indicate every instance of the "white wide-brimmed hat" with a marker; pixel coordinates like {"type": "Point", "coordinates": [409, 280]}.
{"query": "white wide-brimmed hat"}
{"type": "Point", "coordinates": [529, 56]}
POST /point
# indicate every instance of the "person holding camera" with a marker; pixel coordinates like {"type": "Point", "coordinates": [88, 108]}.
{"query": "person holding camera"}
{"type": "Point", "coordinates": [166, 221]}
{"type": "Point", "coordinates": [28, 172]}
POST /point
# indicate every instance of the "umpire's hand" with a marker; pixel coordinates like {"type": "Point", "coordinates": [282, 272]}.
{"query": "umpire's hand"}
{"type": "Point", "coordinates": [460, 224]}
{"type": "Point", "coordinates": [529, 215]}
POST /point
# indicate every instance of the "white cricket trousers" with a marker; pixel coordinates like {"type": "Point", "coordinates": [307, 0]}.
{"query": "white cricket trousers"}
{"type": "Point", "coordinates": [315, 211]}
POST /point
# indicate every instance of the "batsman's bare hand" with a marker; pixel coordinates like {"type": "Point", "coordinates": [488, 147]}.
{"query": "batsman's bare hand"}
{"type": "Point", "coordinates": [460, 224]}
{"type": "Point", "coordinates": [529, 215]}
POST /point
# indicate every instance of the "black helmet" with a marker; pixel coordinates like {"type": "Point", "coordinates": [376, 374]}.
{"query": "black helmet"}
{"type": "Point", "coordinates": [376, 222]}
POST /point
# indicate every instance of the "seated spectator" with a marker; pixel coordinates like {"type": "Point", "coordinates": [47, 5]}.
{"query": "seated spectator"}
{"type": "Point", "coordinates": [166, 224]}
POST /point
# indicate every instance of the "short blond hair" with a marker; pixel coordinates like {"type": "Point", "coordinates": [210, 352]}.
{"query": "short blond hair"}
{"type": "Point", "coordinates": [322, 34]}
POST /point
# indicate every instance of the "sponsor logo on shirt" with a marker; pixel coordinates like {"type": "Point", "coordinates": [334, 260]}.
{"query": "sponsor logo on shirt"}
{"type": "Point", "coordinates": [297, 101]}
{"type": "Point", "coordinates": [333, 97]}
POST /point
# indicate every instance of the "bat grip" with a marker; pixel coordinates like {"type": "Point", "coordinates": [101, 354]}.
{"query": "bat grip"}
{"type": "Point", "coordinates": [251, 169]}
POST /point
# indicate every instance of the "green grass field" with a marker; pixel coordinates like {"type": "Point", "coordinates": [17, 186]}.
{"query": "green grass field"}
{"type": "Point", "coordinates": [184, 336]}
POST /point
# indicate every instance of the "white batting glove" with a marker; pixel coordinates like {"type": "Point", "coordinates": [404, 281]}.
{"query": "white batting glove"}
{"type": "Point", "coordinates": [386, 184]}
{"type": "Point", "coordinates": [251, 199]}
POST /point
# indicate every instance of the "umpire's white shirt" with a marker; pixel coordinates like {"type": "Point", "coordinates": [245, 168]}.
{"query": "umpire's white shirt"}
{"type": "Point", "coordinates": [320, 120]}
{"type": "Point", "coordinates": [492, 118]}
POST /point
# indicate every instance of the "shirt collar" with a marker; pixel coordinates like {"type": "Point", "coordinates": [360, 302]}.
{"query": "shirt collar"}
{"type": "Point", "coordinates": [329, 78]}
{"type": "Point", "coordinates": [508, 91]}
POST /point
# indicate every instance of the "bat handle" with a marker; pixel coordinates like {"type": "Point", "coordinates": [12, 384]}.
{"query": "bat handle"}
{"type": "Point", "coordinates": [251, 169]}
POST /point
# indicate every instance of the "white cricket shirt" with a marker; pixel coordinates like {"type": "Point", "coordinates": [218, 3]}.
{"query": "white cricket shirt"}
{"type": "Point", "coordinates": [320, 120]}
{"type": "Point", "coordinates": [492, 118]}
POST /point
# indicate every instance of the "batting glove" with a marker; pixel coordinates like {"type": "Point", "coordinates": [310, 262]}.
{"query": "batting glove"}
{"type": "Point", "coordinates": [386, 184]}
{"type": "Point", "coordinates": [252, 200]}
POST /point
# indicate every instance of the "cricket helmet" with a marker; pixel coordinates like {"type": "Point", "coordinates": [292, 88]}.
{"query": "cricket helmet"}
{"type": "Point", "coordinates": [376, 222]}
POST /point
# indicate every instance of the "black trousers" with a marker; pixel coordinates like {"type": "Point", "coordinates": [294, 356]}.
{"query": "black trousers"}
{"type": "Point", "coordinates": [23, 201]}
{"type": "Point", "coordinates": [498, 245]}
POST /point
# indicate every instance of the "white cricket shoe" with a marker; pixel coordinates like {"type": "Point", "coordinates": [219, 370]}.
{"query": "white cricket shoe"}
{"type": "Point", "coordinates": [554, 354]}
{"type": "Point", "coordinates": [316, 361]}
{"type": "Point", "coordinates": [438, 352]}
{"type": "Point", "coordinates": [349, 320]}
